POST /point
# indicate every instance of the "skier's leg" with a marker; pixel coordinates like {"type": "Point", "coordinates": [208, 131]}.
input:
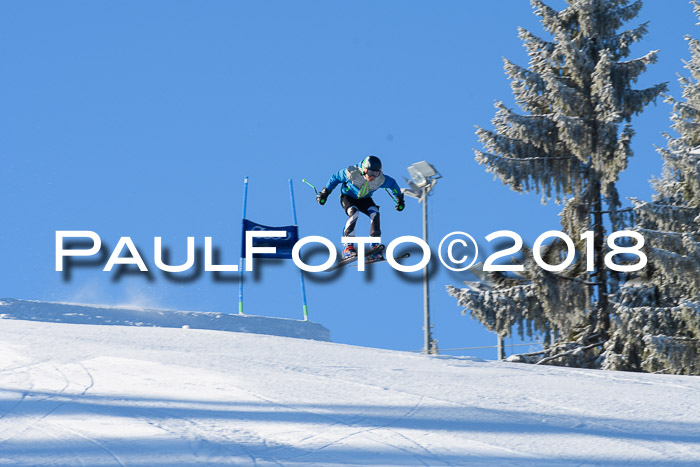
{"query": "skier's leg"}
{"type": "Point", "coordinates": [367, 206]}
{"type": "Point", "coordinates": [375, 231]}
{"type": "Point", "coordinates": [351, 223]}
{"type": "Point", "coordinates": [372, 210]}
{"type": "Point", "coordinates": [374, 227]}
{"type": "Point", "coordinates": [353, 213]}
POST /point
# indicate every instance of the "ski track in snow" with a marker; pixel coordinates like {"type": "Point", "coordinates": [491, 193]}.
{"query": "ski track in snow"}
{"type": "Point", "coordinates": [387, 426]}
{"type": "Point", "coordinates": [344, 425]}
{"type": "Point", "coordinates": [75, 394]}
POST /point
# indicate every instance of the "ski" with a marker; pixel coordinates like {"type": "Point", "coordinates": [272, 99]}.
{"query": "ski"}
{"type": "Point", "coordinates": [405, 255]}
{"type": "Point", "coordinates": [346, 261]}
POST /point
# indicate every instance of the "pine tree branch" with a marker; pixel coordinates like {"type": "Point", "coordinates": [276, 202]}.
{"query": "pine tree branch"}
{"type": "Point", "coordinates": [671, 206]}
{"type": "Point", "coordinates": [525, 159]}
{"type": "Point", "coordinates": [568, 352]}
{"type": "Point", "coordinates": [610, 212]}
{"type": "Point", "coordinates": [531, 354]}
{"type": "Point", "coordinates": [576, 279]}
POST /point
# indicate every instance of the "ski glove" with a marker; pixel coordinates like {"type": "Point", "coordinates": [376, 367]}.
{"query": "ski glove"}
{"type": "Point", "coordinates": [400, 204]}
{"type": "Point", "coordinates": [322, 196]}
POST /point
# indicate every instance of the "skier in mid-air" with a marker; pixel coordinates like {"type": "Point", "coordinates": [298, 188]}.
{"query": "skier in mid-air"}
{"type": "Point", "coordinates": [358, 185]}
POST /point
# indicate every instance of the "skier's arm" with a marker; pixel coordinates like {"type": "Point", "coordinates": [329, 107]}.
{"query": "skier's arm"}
{"type": "Point", "coordinates": [337, 178]}
{"type": "Point", "coordinates": [393, 187]}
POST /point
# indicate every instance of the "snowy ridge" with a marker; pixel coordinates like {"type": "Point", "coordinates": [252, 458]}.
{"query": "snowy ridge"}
{"type": "Point", "coordinates": [100, 395]}
{"type": "Point", "coordinates": [132, 316]}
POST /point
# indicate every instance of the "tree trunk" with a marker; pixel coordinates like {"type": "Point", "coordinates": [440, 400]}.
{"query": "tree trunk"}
{"type": "Point", "coordinates": [602, 322]}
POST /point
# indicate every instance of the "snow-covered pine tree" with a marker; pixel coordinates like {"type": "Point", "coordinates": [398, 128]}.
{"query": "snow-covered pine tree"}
{"type": "Point", "coordinates": [656, 324]}
{"type": "Point", "coordinates": [570, 146]}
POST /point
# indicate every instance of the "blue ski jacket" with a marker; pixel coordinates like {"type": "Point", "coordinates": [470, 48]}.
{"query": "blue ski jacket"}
{"type": "Point", "coordinates": [355, 185]}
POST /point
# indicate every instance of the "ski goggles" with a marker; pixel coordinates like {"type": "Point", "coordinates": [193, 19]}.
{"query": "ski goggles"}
{"type": "Point", "coordinates": [372, 173]}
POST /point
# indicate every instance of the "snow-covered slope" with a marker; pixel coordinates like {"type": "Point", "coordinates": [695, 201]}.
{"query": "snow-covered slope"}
{"type": "Point", "coordinates": [76, 394]}
{"type": "Point", "coordinates": [133, 316]}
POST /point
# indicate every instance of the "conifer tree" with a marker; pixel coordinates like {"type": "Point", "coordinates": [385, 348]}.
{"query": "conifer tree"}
{"type": "Point", "coordinates": [569, 145]}
{"type": "Point", "coordinates": [656, 325]}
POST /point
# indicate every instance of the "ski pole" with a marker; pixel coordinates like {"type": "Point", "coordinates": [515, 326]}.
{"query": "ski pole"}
{"type": "Point", "coordinates": [392, 196]}
{"type": "Point", "coordinates": [307, 182]}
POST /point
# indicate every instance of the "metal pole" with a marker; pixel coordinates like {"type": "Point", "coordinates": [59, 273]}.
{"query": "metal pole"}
{"type": "Point", "coordinates": [240, 261]}
{"type": "Point", "coordinates": [426, 290]}
{"type": "Point", "coordinates": [501, 348]}
{"type": "Point", "coordinates": [305, 308]}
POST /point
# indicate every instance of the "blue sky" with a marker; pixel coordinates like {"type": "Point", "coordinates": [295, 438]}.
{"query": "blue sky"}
{"type": "Point", "coordinates": [142, 119]}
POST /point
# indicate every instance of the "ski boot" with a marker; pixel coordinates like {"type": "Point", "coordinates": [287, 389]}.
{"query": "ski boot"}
{"type": "Point", "coordinates": [349, 252]}
{"type": "Point", "coordinates": [377, 255]}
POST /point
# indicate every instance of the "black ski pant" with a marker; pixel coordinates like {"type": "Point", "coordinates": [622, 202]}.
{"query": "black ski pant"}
{"type": "Point", "coordinates": [353, 207]}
